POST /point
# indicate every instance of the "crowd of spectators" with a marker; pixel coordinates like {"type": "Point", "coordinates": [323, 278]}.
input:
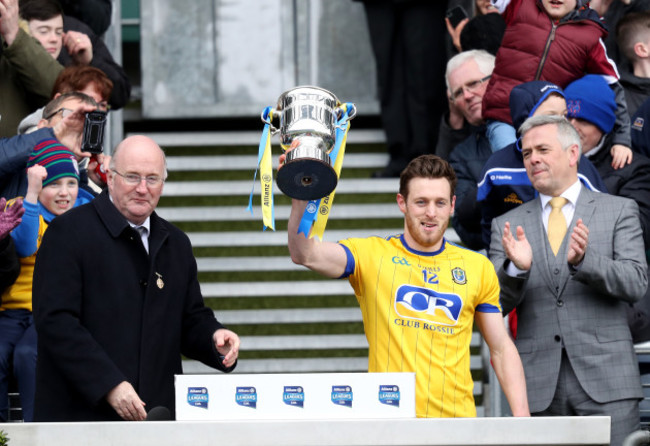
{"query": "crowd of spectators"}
{"type": "Point", "coordinates": [513, 62]}
{"type": "Point", "coordinates": [561, 68]}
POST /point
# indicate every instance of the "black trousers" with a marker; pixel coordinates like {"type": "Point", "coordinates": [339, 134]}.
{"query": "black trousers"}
{"type": "Point", "coordinates": [408, 42]}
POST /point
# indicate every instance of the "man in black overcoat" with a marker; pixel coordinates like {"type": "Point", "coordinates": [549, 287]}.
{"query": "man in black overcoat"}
{"type": "Point", "coordinates": [117, 301]}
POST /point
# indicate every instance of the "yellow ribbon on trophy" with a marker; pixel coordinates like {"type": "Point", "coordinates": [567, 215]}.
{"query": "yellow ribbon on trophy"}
{"type": "Point", "coordinates": [265, 166]}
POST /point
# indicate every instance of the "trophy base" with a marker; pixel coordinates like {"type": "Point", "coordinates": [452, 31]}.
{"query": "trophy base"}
{"type": "Point", "coordinates": [307, 174]}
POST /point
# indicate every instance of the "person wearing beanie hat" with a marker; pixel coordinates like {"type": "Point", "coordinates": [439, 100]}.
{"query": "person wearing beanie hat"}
{"type": "Point", "coordinates": [58, 161]}
{"type": "Point", "coordinates": [591, 108]}
{"type": "Point", "coordinates": [591, 111]}
{"type": "Point", "coordinates": [53, 185]}
{"type": "Point", "coordinates": [590, 99]}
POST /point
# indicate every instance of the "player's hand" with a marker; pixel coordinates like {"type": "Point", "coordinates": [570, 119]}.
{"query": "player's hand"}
{"type": "Point", "coordinates": [227, 343]}
{"type": "Point", "coordinates": [283, 157]}
{"type": "Point", "coordinates": [621, 155]}
{"type": "Point", "coordinates": [518, 250]}
{"type": "Point", "coordinates": [125, 401]}
{"type": "Point", "coordinates": [578, 243]}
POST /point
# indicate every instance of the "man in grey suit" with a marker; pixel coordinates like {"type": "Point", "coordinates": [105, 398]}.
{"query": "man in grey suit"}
{"type": "Point", "coordinates": [571, 285]}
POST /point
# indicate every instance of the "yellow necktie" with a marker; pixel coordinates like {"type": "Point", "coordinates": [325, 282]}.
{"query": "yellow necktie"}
{"type": "Point", "coordinates": [556, 223]}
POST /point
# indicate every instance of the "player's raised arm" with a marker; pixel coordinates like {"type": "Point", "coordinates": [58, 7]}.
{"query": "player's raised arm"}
{"type": "Point", "coordinates": [326, 258]}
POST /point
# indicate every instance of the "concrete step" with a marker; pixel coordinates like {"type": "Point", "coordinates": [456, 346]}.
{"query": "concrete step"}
{"type": "Point", "coordinates": [304, 342]}
{"type": "Point", "coordinates": [249, 162]}
{"type": "Point", "coordinates": [281, 365]}
{"type": "Point", "coordinates": [277, 289]}
{"type": "Point", "coordinates": [249, 138]}
{"type": "Point", "coordinates": [240, 213]}
{"type": "Point", "coordinates": [289, 316]}
{"type": "Point", "coordinates": [227, 264]}
{"type": "Point", "coordinates": [279, 238]}
{"type": "Point", "coordinates": [230, 188]}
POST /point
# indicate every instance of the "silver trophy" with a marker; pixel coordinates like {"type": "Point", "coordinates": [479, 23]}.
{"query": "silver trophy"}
{"type": "Point", "coordinates": [308, 122]}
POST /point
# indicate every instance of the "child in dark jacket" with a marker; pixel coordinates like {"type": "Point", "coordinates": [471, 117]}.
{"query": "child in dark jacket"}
{"type": "Point", "coordinates": [553, 40]}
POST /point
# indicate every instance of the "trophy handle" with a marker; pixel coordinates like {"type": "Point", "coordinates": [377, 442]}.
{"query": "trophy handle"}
{"type": "Point", "coordinates": [267, 118]}
{"type": "Point", "coordinates": [351, 108]}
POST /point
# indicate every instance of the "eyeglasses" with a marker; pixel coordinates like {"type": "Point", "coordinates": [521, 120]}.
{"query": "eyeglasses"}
{"type": "Point", "coordinates": [135, 179]}
{"type": "Point", "coordinates": [65, 112]}
{"type": "Point", "coordinates": [469, 87]}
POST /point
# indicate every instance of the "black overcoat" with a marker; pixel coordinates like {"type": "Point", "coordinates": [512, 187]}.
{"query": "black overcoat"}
{"type": "Point", "coordinates": [105, 312]}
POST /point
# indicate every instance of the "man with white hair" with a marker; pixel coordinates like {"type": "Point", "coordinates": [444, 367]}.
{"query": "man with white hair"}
{"type": "Point", "coordinates": [467, 75]}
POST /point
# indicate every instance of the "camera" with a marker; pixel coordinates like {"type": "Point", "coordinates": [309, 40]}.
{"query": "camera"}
{"type": "Point", "coordinates": [93, 136]}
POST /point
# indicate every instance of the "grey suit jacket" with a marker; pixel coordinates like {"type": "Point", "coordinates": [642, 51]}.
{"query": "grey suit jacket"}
{"type": "Point", "coordinates": [583, 311]}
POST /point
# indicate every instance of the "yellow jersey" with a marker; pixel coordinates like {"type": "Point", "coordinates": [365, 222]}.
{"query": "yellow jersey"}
{"type": "Point", "coordinates": [418, 314]}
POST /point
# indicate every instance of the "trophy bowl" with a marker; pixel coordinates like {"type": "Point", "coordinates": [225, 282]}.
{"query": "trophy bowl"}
{"type": "Point", "coordinates": [307, 135]}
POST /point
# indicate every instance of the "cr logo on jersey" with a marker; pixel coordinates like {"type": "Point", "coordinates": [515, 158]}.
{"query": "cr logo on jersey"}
{"type": "Point", "coordinates": [427, 305]}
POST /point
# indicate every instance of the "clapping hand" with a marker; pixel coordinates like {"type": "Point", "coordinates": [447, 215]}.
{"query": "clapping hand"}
{"type": "Point", "coordinates": [518, 250]}
{"type": "Point", "coordinates": [578, 243]}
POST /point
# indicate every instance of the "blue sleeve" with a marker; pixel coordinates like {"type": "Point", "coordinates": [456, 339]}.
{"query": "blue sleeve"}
{"type": "Point", "coordinates": [26, 233]}
{"type": "Point", "coordinates": [487, 308]}
{"type": "Point", "coordinates": [14, 151]}
{"type": "Point", "coordinates": [349, 267]}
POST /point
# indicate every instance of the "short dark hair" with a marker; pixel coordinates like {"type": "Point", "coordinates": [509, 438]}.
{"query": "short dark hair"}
{"type": "Point", "coordinates": [632, 28]}
{"type": "Point", "coordinates": [39, 9]}
{"type": "Point", "coordinates": [427, 166]}
{"type": "Point", "coordinates": [78, 77]}
{"type": "Point", "coordinates": [55, 104]}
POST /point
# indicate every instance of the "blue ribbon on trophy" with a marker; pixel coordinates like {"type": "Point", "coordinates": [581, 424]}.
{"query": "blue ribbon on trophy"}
{"type": "Point", "coordinates": [314, 126]}
{"type": "Point", "coordinates": [318, 210]}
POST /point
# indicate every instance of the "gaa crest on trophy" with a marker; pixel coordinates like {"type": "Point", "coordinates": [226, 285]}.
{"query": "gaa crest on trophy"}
{"type": "Point", "coordinates": [312, 127]}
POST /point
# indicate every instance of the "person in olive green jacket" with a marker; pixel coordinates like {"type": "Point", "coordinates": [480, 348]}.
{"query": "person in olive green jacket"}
{"type": "Point", "coordinates": [27, 71]}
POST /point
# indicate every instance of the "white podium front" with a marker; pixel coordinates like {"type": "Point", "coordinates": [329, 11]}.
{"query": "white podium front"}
{"type": "Point", "coordinates": [556, 431]}
{"type": "Point", "coordinates": [295, 396]}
